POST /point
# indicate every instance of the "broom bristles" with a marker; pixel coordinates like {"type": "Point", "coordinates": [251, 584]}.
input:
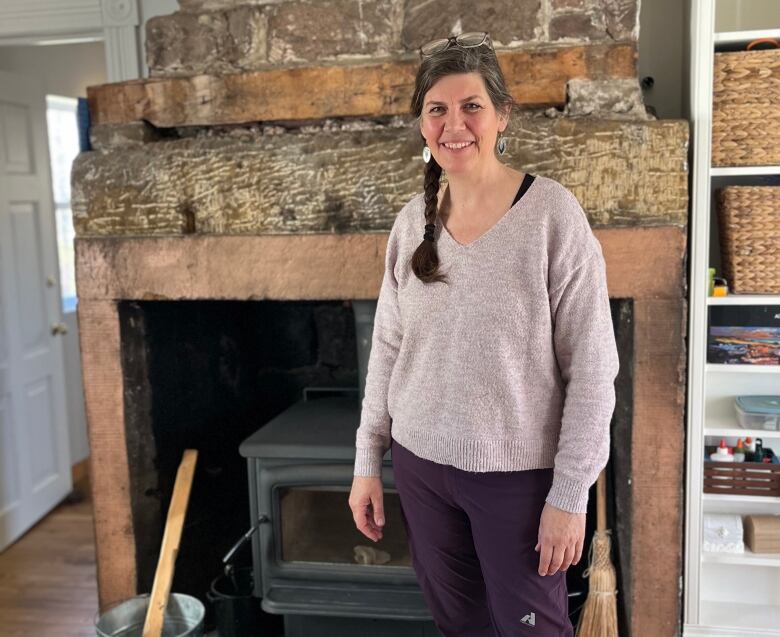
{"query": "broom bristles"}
{"type": "Point", "coordinates": [599, 613]}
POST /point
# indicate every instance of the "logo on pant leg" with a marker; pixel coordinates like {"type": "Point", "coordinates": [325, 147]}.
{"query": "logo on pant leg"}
{"type": "Point", "coordinates": [529, 620]}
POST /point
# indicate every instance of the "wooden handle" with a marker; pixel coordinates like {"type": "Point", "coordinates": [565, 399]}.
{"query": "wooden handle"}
{"type": "Point", "coordinates": [601, 502]}
{"type": "Point", "coordinates": [163, 577]}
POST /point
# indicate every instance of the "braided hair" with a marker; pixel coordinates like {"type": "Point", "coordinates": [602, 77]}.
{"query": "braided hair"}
{"type": "Point", "coordinates": [454, 60]}
{"type": "Point", "coordinates": [425, 260]}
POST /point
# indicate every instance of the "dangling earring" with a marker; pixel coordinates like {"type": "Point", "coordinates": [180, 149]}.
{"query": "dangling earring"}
{"type": "Point", "coordinates": [501, 145]}
{"type": "Point", "coordinates": [426, 154]}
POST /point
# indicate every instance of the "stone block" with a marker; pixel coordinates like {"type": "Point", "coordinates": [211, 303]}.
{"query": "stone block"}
{"type": "Point", "coordinates": [301, 31]}
{"type": "Point", "coordinates": [212, 42]}
{"type": "Point", "coordinates": [578, 26]}
{"type": "Point", "coordinates": [506, 20]}
{"type": "Point", "coordinates": [614, 98]}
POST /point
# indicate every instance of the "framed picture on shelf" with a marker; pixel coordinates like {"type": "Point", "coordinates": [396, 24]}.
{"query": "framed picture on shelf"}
{"type": "Point", "coordinates": [744, 335]}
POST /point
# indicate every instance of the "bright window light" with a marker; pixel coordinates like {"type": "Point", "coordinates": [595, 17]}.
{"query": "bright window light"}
{"type": "Point", "coordinates": [63, 148]}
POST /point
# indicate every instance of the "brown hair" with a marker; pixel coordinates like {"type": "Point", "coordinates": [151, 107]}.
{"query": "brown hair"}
{"type": "Point", "coordinates": [455, 59]}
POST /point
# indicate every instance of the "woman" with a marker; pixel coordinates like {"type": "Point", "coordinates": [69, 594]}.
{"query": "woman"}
{"type": "Point", "coordinates": [493, 380]}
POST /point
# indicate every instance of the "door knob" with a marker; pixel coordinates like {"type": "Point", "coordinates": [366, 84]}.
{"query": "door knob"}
{"type": "Point", "coordinates": [59, 328]}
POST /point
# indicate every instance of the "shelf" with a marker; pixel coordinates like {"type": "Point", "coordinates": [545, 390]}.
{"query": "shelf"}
{"type": "Point", "coordinates": [745, 299]}
{"type": "Point", "coordinates": [743, 171]}
{"type": "Point", "coordinates": [759, 618]}
{"type": "Point", "coordinates": [748, 558]}
{"type": "Point", "coordinates": [717, 497]}
{"type": "Point", "coordinates": [737, 41]}
{"type": "Point", "coordinates": [722, 594]}
{"type": "Point", "coordinates": [738, 432]}
{"type": "Point", "coordinates": [738, 37]}
{"type": "Point", "coordinates": [741, 369]}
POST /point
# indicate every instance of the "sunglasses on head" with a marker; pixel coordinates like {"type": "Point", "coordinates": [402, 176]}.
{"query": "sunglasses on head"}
{"type": "Point", "coordinates": [464, 40]}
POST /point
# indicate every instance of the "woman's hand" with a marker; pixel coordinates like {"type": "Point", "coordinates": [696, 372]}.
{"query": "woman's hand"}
{"type": "Point", "coordinates": [561, 536]}
{"type": "Point", "coordinates": [366, 502]}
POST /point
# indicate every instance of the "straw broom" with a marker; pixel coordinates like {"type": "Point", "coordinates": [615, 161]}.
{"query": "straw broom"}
{"type": "Point", "coordinates": [599, 614]}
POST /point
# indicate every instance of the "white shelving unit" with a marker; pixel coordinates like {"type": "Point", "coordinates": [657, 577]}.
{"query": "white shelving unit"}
{"type": "Point", "coordinates": [724, 594]}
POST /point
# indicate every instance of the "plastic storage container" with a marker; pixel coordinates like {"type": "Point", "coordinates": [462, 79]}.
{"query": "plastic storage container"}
{"type": "Point", "coordinates": [758, 412]}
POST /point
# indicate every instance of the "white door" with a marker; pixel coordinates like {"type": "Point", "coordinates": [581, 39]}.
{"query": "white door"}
{"type": "Point", "coordinates": [35, 471]}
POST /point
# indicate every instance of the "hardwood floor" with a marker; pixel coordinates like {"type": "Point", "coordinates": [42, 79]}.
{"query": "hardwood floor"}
{"type": "Point", "coordinates": [48, 583]}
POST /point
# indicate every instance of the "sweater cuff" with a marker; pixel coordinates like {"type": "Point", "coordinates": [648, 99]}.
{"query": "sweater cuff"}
{"type": "Point", "coordinates": [569, 495]}
{"type": "Point", "coordinates": [368, 462]}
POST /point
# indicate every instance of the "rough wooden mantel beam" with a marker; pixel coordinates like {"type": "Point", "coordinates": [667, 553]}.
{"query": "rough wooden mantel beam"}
{"type": "Point", "coordinates": [623, 173]}
{"type": "Point", "coordinates": [537, 78]}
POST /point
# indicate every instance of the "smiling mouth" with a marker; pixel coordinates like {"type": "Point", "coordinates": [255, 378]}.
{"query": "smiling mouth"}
{"type": "Point", "coordinates": [457, 147]}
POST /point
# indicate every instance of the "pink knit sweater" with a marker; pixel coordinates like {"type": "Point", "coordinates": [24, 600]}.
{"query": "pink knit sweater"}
{"type": "Point", "coordinates": [509, 367]}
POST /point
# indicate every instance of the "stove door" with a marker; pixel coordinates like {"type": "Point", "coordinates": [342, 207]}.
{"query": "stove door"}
{"type": "Point", "coordinates": [309, 549]}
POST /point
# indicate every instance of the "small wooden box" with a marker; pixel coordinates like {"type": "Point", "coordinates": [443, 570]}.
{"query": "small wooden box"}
{"type": "Point", "coordinates": [742, 478]}
{"type": "Point", "coordinates": [762, 533]}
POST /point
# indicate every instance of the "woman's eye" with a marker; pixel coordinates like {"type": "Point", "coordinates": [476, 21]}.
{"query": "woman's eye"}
{"type": "Point", "coordinates": [476, 107]}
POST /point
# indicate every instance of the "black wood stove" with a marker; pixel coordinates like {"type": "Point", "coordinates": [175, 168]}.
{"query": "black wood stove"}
{"type": "Point", "coordinates": [310, 562]}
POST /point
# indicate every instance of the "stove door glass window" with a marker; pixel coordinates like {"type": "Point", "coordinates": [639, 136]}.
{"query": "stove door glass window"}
{"type": "Point", "coordinates": [317, 526]}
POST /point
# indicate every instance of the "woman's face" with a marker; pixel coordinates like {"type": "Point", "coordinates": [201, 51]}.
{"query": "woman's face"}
{"type": "Point", "coordinates": [457, 109]}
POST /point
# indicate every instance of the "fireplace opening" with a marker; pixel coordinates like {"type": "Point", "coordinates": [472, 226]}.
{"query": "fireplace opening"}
{"type": "Point", "coordinates": [208, 374]}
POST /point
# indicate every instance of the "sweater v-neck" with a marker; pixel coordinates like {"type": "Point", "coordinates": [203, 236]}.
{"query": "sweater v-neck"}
{"type": "Point", "coordinates": [528, 180]}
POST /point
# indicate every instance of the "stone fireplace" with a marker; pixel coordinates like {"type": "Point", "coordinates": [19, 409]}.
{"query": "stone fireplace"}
{"type": "Point", "coordinates": [235, 203]}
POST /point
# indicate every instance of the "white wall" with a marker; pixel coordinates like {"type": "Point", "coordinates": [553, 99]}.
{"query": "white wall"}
{"type": "Point", "coordinates": [661, 24]}
{"type": "Point", "coordinates": [746, 15]}
{"type": "Point", "coordinates": [65, 70]}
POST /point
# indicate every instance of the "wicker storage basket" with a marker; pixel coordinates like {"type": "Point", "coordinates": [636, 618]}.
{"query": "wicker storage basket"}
{"type": "Point", "coordinates": [762, 533]}
{"type": "Point", "coordinates": [745, 112]}
{"type": "Point", "coordinates": [749, 223]}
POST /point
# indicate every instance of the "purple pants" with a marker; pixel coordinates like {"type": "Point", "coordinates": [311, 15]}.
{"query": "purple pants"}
{"type": "Point", "coordinates": [471, 538]}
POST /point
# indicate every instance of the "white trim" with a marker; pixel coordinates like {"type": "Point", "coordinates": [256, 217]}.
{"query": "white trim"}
{"type": "Point", "coordinates": [702, 27]}
{"type": "Point", "coordinates": [49, 17]}
{"type": "Point", "coordinates": [691, 630]}
{"type": "Point", "coordinates": [116, 22]}
{"type": "Point", "coordinates": [122, 61]}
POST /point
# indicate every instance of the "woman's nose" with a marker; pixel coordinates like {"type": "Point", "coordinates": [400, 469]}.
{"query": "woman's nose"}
{"type": "Point", "coordinates": [454, 121]}
{"type": "Point", "coordinates": [454, 116]}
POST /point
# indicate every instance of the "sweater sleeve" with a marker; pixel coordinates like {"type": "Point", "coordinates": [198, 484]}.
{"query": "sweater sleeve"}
{"type": "Point", "coordinates": [372, 439]}
{"type": "Point", "coordinates": [587, 356]}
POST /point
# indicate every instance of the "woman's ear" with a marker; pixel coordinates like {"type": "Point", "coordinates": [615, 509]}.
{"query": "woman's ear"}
{"type": "Point", "coordinates": [503, 118]}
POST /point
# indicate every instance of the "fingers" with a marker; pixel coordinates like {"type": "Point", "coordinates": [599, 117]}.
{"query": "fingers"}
{"type": "Point", "coordinates": [368, 513]}
{"type": "Point", "coordinates": [554, 558]}
{"type": "Point", "coordinates": [363, 517]}
{"type": "Point", "coordinates": [379, 510]}
{"type": "Point", "coordinates": [568, 556]}
{"type": "Point", "coordinates": [545, 557]}
{"type": "Point", "coordinates": [577, 552]}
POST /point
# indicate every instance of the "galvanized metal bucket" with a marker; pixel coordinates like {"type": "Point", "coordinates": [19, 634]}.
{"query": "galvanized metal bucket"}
{"type": "Point", "coordinates": [183, 617]}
